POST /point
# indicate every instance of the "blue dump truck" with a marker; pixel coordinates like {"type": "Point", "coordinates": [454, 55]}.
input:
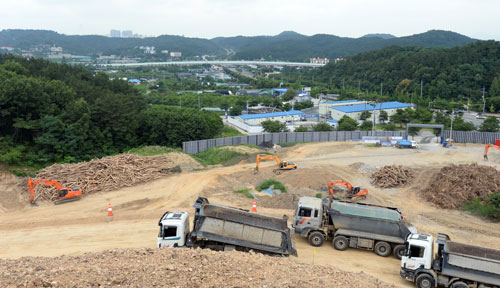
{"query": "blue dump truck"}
{"type": "Point", "coordinates": [352, 225]}
{"type": "Point", "coordinates": [226, 228]}
{"type": "Point", "coordinates": [406, 144]}
{"type": "Point", "coordinates": [454, 264]}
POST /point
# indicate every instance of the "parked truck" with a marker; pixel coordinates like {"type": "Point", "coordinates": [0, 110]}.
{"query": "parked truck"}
{"type": "Point", "coordinates": [455, 264]}
{"type": "Point", "coordinates": [355, 225]}
{"type": "Point", "coordinates": [225, 228]}
{"type": "Point", "coordinates": [406, 144]}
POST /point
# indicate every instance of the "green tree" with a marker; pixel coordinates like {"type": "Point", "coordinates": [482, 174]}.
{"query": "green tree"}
{"type": "Point", "coordinates": [383, 116]}
{"type": "Point", "coordinates": [322, 127]}
{"type": "Point", "coordinates": [271, 126]}
{"type": "Point", "coordinates": [490, 124]}
{"type": "Point", "coordinates": [301, 129]}
{"type": "Point", "coordinates": [224, 105]}
{"type": "Point", "coordinates": [289, 94]}
{"type": "Point", "coordinates": [347, 124]}
{"type": "Point", "coordinates": [460, 125]}
{"type": "Point", "coordinates": [235, 110]}
{"type": "Point", "coordinates": [495, 87]}
{"type": "Point", "coordinates": [367, 125]}
{"type": "Point", "coordinates": [365, 115]}
{"type": "Point", "coordinates": [389, 127]}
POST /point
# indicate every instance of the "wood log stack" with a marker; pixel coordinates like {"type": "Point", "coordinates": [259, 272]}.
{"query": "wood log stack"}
{"type": "Point", "coordinates": [392, 176]}
{"type": "Point", "coordinates": [105, 174]}
{"type": "Point", "coordinates": [455, 185]}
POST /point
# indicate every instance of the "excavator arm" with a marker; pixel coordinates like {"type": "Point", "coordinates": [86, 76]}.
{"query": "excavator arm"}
{"type": "Point", "coordinates": [487, 147]}
{"type": "Point", "coordinates": [65, 194]}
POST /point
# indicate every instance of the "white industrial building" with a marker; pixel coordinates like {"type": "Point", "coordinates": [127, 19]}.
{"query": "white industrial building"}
{"type": "Point", "coordinates": [324, 107]}
{"type": "Point", "coordinates": [283, 117]}
{"type": "Point", "coordinates": [354, 111]}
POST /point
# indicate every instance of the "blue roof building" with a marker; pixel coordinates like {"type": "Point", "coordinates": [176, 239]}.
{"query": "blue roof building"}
{"type": "Point", "coordinates": [271, 115]}
{"type": "Point", "coordinates": [370, 107]}
{"type": "Point", "coordinates": [354, 111]}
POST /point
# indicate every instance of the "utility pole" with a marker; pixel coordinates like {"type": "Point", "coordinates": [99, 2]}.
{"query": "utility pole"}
{"type": "Point", "coordinates": [484, 101]}
{"type": "Point", "coordinates": [421, 85]}
{"type": "Point", "coordinates": [359, 85]}
{"type": "Point", "coordinates": [374, 110]}
{"type": "Point", "coordinates": [199, 102]}
{"type": "Point", "coordinates": [381, 86]}
{"type": "Point", "coordinates": [451, 126]}
{"type": "Point", "coordinates": [343, 82]}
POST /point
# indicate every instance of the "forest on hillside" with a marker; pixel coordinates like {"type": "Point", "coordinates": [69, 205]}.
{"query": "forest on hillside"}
{"type": "Point", "coordinates": [445, 75]}
{"type": "Point", "coordinates": [58, 113]}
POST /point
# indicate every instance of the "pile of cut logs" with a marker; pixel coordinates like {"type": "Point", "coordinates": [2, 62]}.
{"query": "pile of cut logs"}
{"type": "Point", "coordinates": [392, 176]}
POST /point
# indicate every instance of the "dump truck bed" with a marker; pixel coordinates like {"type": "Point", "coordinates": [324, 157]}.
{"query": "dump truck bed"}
{"type": "Point", "coordinates": [372, 219]}
{"type": "Point", "coordinates": [243, 228]}
{"type": "Point", "coordinates": [471, 262]}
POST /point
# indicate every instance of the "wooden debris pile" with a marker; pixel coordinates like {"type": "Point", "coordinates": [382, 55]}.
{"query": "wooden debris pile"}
{"type": "Point", "coordinates": [392, 176]}
{"type": "Point", "coordinates": [455, 185]}
{"type": "Point", "coordinates": [105, 174]}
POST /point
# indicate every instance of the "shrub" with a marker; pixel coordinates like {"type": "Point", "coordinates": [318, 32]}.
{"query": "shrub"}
{"type": "Point", "coordinates": [267, 183]}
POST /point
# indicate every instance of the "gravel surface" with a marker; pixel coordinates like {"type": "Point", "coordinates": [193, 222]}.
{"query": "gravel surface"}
{"type": "Point", "coordinates": [174, 268]}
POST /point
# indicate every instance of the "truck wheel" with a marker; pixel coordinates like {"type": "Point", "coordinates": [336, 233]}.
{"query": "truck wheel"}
{"type": "Point", "coordinates": [425, 281]}
{"type": "Point", "coordinates": [340, 243]}
{"type": "Point", "coordinates": [398, 251]}
{"type": "Point", "coordinates": [382, 249]}
{"type": "Point", "coordinates": [459, 284]}
{"type": "Point", "coordinates": [316, 239]}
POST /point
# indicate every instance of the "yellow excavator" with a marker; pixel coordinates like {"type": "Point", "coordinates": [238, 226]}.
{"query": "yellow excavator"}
{"type": "Point", "coordinates": [282, 165]}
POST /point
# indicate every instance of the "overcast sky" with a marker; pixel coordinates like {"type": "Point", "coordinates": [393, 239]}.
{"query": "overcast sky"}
{"type": "Point", "coordinates": [211, 18]}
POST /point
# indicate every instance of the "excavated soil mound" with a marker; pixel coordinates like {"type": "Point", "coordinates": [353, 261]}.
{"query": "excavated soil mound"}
{"type": "Point", "coordinates": [392, 176]}
{"type": "Point", "coordinates": [281, 201]}
{"type": "Point", "coordinates": [454, 185]}
{"type": "Point", "coordinates": [106, 174]}
{"type": "Point", "coordinates": [174, 268]}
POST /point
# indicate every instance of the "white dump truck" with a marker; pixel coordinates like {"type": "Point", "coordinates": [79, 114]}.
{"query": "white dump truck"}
{"type": "Point", "coordinates": [455, 264]}
{"type": "Point", "coordinates": [355, 225]}
{"type": "Point", "coordinates": [225, 228]}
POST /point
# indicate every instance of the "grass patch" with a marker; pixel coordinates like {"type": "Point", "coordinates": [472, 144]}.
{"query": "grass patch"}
{"type": "Point", "coordinates": [267, 183]}
{"type": "Point", "coordinates": [228, 131]}
{"type": "Point", "coordinates": [371, 145]}
{"type": "Point", "coordinates": [245, 191]}
{"type": "Point", "coordinates": [214, 156]}
{"type": "Point", "coordinates": [153, 150]}
{"type": "Point", "coordinates": [287, 144]}
{"type": "Point", "coordinates": [489, 208]}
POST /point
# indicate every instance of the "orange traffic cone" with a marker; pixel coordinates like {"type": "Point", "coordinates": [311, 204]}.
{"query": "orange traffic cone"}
{"type": "Point", "coordinates": [254, 206]}
{"type": "Point", "coordinates": [110, 210]}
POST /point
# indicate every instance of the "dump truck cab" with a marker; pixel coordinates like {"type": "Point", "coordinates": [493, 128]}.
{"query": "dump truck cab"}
{"type": "Point", "coordinates": [417, 258]}
{"type": "Point", "coordinates": [308, 220]}
{"type": "Point", "coordinates": [174, 228]}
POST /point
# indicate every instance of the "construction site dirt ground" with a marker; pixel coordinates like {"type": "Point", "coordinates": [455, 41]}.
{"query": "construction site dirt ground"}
{"type": "Point", "coordinates": [82, 226]}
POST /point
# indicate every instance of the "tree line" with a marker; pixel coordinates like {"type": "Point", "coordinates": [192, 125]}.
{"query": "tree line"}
{"type": "Point", "coordinates": [444, 78]}
{"type": "Point", "coordinates": [57, 113]}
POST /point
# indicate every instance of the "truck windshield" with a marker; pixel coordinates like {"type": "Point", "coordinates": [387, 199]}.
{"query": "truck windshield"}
{"type": "Point", "coordinates": [169, 231]}
{"type": "Point", "coordinates": [416, 251]}
{"type": "Point", "coordinates": [305, 212]}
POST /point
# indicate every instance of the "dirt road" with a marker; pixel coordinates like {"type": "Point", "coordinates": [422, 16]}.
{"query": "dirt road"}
{"type": "Point", "coordinates": [82, 226]}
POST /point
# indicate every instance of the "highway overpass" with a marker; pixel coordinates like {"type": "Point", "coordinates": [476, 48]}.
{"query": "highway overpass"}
{"type": "Point", "coordinates": [222, 63]}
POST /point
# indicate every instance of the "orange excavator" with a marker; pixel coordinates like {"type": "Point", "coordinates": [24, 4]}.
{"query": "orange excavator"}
{"type": "Point", "coordinates": [282, 165]}
{"type": "Point", "coordinates": [64, 194]}
{"type": "Point", "coordinates": [352, 192]}
{"type": "Point", "coordinates": [488, 147]}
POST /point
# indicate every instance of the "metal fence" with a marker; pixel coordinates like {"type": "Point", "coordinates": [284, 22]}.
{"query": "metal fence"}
{"type": "Point", "coordinates": [195, 147]}
{"type": "Point", "coordinates": [472, 137]}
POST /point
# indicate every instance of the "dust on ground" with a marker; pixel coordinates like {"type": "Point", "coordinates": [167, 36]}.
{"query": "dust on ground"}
{"type": "Point", "coordinates": [11, 192]}
{"type": "Point", "coordinates": [175, 268]}
{"type": "Point", "coordinates": [82, 226]}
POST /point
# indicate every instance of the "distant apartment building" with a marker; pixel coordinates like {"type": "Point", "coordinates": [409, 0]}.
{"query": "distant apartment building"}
{"type": "Point", "coordinates": [175, 54]}
{"type": "Point", "coordinates": [115, 33]}
{"type": "Point", "coordinates": [319, 60]}
{"type": "Point", "coordinates": [164, 51]}
{"type": "Point", "coordinates": [338, 59]}
{"type": "Point", "coordinates": [127, 33]}
{"type": "Point", "coordinates": [55, 49]}
{"type": "Point", "coordinates": [148, 49]}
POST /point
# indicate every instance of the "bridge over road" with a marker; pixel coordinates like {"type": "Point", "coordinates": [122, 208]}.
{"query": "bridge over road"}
{"type": "Point", "coordinates": [221, 62]}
